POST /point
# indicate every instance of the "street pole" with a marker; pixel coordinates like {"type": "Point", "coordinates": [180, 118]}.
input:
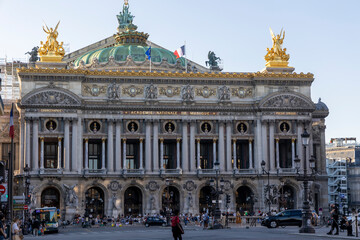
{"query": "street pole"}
{"type": "Point", "coordinates": [306, 213]}
{"type": "Point", "coordinates": [268, 174]}
{"type": "Point", "coordinates": [10, 185]}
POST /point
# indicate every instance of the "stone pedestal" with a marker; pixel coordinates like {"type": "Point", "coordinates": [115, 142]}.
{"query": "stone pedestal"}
{"type": "Point", "coordinates": [56, 65]}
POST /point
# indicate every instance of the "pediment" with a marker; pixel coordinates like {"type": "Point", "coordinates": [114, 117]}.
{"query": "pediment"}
{"type": "Point", "coordinates": [287, 101]}
{"type": "Point", "coordinates": [51, 95]}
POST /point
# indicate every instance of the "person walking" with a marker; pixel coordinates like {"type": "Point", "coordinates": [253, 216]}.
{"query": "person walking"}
{"type": "Point", "coordinates": [335, 219]}
{"type": "Point", "coordinates": [176, 227]}
{"type": "Point", "coordinates": [15, 229]}
{"type": "Point", "coordinates": [35, 226]}
{"type": "Point", "coordinates": [2, 227]}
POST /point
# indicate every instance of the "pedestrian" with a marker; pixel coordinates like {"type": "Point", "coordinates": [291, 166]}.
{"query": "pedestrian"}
{"type": "Point", "coordinates": [176, 227]}
{"type": "Point", "coordinates": [335, 219]}
{"type": "Point", "coordinates": [15, 229]}
{"type": "Point", "coordinates": [35, 226]}
{"type": "Point", "coordinates": [2, 227]}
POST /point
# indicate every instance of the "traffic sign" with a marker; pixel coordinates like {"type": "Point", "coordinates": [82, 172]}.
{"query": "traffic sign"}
{"type": "Point", "coordinates": [26, 207]}
{"type": "Point", "coordinates": [4, 195]}
{"type": "Point", "coordinates": [2, 189]}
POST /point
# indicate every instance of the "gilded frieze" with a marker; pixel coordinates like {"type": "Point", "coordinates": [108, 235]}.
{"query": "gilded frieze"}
{"type": "Point", "coordinates": [169, 91]}
{"type": "Point", "coordinates": [242, 92]}
{"type": "Point", "coordinates": [205, 92]}
{"type": "Point", "coordinates": [93, 90]}
{"type": "Point", "coordinates": [133, 91]}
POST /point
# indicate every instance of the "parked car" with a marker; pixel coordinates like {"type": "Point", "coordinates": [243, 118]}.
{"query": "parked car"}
{"type": "Point", "coordinates": [284, 218]}
{"type": "Point", "coordinates": [154, 221]}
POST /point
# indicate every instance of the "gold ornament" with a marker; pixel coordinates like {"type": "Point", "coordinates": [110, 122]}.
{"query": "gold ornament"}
{"type": "Point", "coordinates": [51, 50]}
{"type": "Point", "coordinates": [276, 56]}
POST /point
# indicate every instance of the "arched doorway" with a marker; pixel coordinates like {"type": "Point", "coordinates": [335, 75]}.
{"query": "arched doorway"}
{"type": "Point", "coordinates": [244, 200]}
{"type": "Point", "coordinates": [50, 197]}
{"type": "Point", "coordinates": [133, 202]}
{"type": "Point", "coordinates": [170, 200]}
{"type": "Point", "coordinates": [95, 201]}
{"type": "Point", "coordinates": [205, 199]}
{"type": "Point", "coordinates": [286, 198]}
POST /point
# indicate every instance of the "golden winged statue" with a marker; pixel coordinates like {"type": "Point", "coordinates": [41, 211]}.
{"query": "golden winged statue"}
{"type": "Point", "coordinates": [276, 56]}
{"type": "Point", "coordinates": [51, 50]}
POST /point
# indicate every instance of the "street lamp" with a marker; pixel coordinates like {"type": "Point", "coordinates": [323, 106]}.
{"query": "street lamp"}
{"type": "Point", "coordinates": [168, 198]}
{"type": "Point", "coordinates": [267, 189]}
{"type": "Point", "coordinates": [305, 178]}
{"type": "Point", "coordinates": [218, 191]}
{"type": "Point", "coordinates": [87, 196]}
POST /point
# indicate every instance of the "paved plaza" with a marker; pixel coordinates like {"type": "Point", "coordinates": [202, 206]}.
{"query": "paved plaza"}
{"type": "Point", "coordinates": [191, 232]}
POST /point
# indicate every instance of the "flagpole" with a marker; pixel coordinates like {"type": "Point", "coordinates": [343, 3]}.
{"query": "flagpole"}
{"type": "Point", "coordinates": [185, 57]}
{"type": "Point", "coordinates": [150, 56]}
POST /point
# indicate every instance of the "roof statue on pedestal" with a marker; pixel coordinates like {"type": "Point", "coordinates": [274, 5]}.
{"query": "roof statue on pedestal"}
{"type": "Point", "coordinates": [276, 56]}
{"type": "Point", "coordinates": [213, 61]}
{"type": "Point", "coordinates": [51, 50]}
{"type": "Point", "coordinates": [124, 18]}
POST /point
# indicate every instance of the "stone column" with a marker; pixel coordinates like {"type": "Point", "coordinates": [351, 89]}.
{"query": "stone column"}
{"type": "Point", "coordinates": [228, 146]}
{"type": "Point", "coordinates": [22, 146]}
{"type": "Point", "coordinates": [277, 154]}
{"type": "Point", "coordinates": [221, 147]}
{"type": "Point", "coordinates": [80, 148]}
{"type": "Point", "coordinates": [300, 149]}
{"type": "Point", "coordinates": [148, 146]}
{"type": "Point", "coordinates": [27, 143]}
{"type": "Point", "coordinates": [110, 147]}
{"type": "Point", "coordinates": [35, 146]}
{"type": "Point", "coordinates": [185, 153]}
{"type": "Point", "coordinates": [265, 145]}
{"type": "Point", "coordinates": [103, 153]}
{"type": "Point", "coordinates": [293, 152]}
{"type": "Point", "coordinates": [86, 154]}
{"type": "Point", "coordinates": [198, 154]}
{"type": "Point", "coordinates": [41, 153]}
{"type": "Point", "coordinates": [272, 146]}
{"type": "Point", "coordinates": [214, 152]}
{"type": "Point", "coordinates": [161, 153]}
{"type": "Point", "coordinates": [118, 147]}
{"type": "Point", "coordinates": [67, 146]}
{"type": "Point", "coordinates": [251, 166]}
{"type": "Point", "coordinates": [234, 154]}
{"type": "Point", "coordinates": [258, 142]}
{"type": "Point", "coordinates": [141, 157]}
{"type": "Point", "coordinates": [124, 154]}
{"type": "Point", "coordinates": [178, 153]}
{"type": "Point", "coordinates": [156, 146]}
{"type": "Point", "coordinates": [192, 166]}
{"type": "Point", "coordinates": [59, 152]}
{"type": "Point", "coordinates": [74, 146]}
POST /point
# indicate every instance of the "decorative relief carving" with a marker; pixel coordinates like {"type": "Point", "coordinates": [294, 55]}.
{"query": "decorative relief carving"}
{"type": "Point", "coordinates": [51, 97]}
{"type": "Point", "coordinates": [114, 186]}
{"type": "Point", "coordinates": [205, 92]}
{"type": "Point", "coordinates": [151, 92]}
{"type": "Point", "coordinates": [113, 91]}
{"type": "Point", "coordinates": [169, 91]}
{"type": "Point", "coordinates": [286, 101]}
{"type": "Point", "coordinates": [132, 91]}
{"type": "Point", "coordinates": [152, 186]}
{"type": "Point", "coordinates": [242, 92]}
{"type": "Point", "coordinates": [187, 93]}
{"type": "Point", "coordinates": [190, 186]}
{"type": "Point", "coordinates": [94, 89]}
{"type": "Point", "coordinates": [223, 93]}
{"type": "Point", "coordinates": [71, 198]}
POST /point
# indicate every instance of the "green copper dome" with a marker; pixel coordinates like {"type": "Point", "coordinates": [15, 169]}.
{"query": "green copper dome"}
{"type": "Point", "coordinates": [121, 52]}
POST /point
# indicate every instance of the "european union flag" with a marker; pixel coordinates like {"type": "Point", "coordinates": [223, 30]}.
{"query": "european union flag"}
{"type": "Point", "coordinates": [148, 53]}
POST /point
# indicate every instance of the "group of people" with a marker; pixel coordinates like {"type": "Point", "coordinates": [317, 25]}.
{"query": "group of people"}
{"type": "Point", "coordinates": [344, 223]}
{"type": "Point", "coordinates": [15, 228]}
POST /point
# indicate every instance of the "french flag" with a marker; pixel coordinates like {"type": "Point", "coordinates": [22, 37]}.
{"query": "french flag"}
{"type": "Point", "coordinates": [11, 133]}
{"type": "Point", "coordinates": [180, 52]}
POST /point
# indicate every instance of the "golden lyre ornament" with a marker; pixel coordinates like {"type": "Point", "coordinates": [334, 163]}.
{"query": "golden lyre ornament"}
{"type": "Point", "coordinates": [276, 56]}
{"type": "Point", "coordinates": [51, 50]}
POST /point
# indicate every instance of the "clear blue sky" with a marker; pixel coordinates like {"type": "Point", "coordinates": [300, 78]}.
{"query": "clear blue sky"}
{"type": "Point", "coordinates": [322, 37]}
